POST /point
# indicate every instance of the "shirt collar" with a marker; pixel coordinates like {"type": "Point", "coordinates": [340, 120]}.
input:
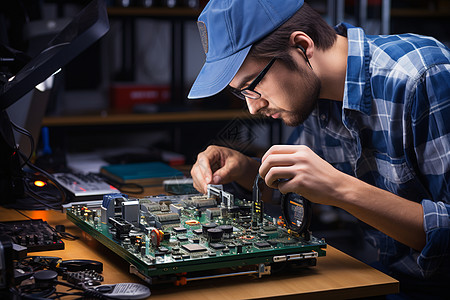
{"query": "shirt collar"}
{"type": "Point", "coordinates": [357, 82]}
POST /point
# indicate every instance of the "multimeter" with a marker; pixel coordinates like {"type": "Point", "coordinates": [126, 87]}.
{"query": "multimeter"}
{"type": "Point", "coordinates": [297, 213]}
{"type": "Point", "coordinates": [295, 210]}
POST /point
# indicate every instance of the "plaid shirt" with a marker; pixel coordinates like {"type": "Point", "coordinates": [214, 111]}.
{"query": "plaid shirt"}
{"type": "Point", "coordinates": [393, 131]}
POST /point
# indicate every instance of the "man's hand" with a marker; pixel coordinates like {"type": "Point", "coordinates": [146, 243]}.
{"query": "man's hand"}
{"type": "Point", "coordinates": [220, 165]}
{"type": "Point", "coordinates": [297, 169]}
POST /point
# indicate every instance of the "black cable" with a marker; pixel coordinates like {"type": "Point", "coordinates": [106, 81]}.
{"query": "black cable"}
{"type": "Point", "coordinates": [23, 214]}
{"type": "Point", "coordinates": [38, 198]}
{"type": "Point", "coordinates": [25, 132]}
{"type": "Point", "coordinates": [88, 293]}
{"type": "Point", "coordinates": [67, 236]}
{"type": "Point", "coordinates": [63, 294]}
{"type": "Point", "coordinates": [41, 295]}
{"type": "Point", "coordinates": [53, 181]}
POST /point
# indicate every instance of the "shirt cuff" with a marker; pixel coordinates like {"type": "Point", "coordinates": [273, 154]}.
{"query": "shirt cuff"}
{"type": "Point", "coordinates": [436, 215]}
{"type": "Point", "coordinates": [435, 256]}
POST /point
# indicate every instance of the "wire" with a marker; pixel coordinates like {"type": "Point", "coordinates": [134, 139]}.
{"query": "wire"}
{"type": "Point", "coordinates": [25, 132]}
{"type": "Point", "coordinates": [52, 180]}
{"type": "Point", "coordinates": [23, 214]}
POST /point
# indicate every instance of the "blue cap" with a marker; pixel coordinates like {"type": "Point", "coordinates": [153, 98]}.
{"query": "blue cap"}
{"type": "Point", "coordinates": [228, 29]}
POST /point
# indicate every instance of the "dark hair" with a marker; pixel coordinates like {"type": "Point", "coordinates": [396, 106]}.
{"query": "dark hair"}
{"type": "Point", "coordinates": [306, 19]}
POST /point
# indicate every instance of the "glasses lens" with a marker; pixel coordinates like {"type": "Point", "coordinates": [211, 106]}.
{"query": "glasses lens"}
{"type": "Point", "coordinates": [237, 93]}
{"type": "Point", "coordinates": [251, 94]}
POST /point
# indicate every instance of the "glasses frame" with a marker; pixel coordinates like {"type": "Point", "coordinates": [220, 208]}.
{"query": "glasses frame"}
{"type": "Point", "coordinates": [249, 92]}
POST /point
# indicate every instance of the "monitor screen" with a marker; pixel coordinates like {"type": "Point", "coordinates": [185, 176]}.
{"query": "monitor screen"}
{"type": "Point", "coordinates": [83, 31]}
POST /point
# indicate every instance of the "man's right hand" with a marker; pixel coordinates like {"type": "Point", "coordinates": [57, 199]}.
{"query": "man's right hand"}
{"type": "Point", "coordinates": [220, 165]}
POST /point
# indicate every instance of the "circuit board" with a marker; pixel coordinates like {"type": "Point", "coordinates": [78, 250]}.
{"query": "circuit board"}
{"type": "Point", "coordinates": [185, 237]}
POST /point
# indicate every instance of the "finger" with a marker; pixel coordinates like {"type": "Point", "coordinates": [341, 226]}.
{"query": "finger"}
{"type": "Point", "coordinates": [199, 182]}
{"type": "Point", "coordinates": [276, 160]}
{"type": "Point", "coordinates": [204, 167]}
{"type": "Point", "coordinates": [223, 174]}
{"type": "Point", "coordinates": [280, 149]}
{"type": "Point", "coordinates": [287, 187]}
{"type": "Point", "coordinates": [277, 175]}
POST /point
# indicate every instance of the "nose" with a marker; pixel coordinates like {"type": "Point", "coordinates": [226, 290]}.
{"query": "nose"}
{"type": "Point", "coordinates": [254, 105]}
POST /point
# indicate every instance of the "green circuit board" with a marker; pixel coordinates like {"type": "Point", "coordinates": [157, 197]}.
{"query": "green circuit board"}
{"type": "Point", "coordinates": [165, 236]}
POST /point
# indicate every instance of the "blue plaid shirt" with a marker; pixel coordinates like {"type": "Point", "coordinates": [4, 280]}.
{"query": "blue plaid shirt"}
{"type": "Point", "coordinates": [392, 130]}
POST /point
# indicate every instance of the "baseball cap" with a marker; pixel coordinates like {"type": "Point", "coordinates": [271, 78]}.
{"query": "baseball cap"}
{"type": "Point", "coordinates": [228, 29]}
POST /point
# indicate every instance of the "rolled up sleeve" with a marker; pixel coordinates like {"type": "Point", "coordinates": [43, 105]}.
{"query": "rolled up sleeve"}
{"type": "Point", "coordinates": [435, 256]}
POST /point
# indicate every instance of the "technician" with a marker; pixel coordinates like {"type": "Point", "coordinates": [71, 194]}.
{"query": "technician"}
{"type": "Point", "coordinates": [372, 118]}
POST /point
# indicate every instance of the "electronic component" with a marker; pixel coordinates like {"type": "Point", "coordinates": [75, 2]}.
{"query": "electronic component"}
{"type": "Point", "coordinates": [195, 234]}
{"type": "Point", "coordinates": [181, 186]}
{"type": "Point", "coordinates": [36, 235]}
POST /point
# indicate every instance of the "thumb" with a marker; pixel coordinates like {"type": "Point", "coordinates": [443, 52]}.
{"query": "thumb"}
{"type": "Point", "coordinates": [221, 176]}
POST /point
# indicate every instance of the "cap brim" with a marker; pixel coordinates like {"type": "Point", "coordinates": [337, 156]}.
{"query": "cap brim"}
{"type": "Point", "coordinates": [215, 76]}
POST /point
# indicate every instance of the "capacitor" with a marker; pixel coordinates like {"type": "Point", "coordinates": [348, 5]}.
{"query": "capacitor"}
{"type": "Point", "coordinates": [207, 226]}
{"type": "Point", "coordinates": [215, 235]}
{"type": "Point", "coordinates": [156, 236]}
{"type": "Point", "coordinates": [227, 231]}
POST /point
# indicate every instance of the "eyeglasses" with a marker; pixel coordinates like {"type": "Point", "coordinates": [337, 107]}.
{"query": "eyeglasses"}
{"type": "Point", "coordinates": [249, 92]}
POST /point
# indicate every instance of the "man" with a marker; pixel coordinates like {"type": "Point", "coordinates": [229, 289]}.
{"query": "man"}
{"type": "Point", "coordinates": [372, 135]}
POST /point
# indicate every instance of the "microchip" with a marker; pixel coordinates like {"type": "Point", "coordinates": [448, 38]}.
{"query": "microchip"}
{"type": "Point", "coordinates": [163, 249]}
{"type": "Point", "coordinates": [288, 241]}
{"type": "Point", "coordinates": [262, 244]}
{"type": "Point", "coordinates": [273, 242]}
{"type": "Point", "coordinates": [179, 229]}
{"type": "Point", "coordinates": [194, 247]}
{"type": "Point", "coordinates": [182, 238]}
{"type": "Point", "coordinates": [269, 228]}
{"type": "Point", "coordinates": [197, 231]}
{"type": "Point", "coordinates": [217, 245]}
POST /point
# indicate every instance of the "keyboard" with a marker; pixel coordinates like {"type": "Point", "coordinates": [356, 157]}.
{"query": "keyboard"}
{"type": "Point", "coordinates": [36, 235]}
{"type": "Point", "coordinates": [84, 186]}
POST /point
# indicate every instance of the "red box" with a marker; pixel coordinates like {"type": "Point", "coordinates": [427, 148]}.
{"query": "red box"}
{"type": "Point", "coordinates": [125, 96]}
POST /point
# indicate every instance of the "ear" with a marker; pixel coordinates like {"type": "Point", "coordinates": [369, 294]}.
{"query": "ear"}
{"type": "Point", "coordinates": [299, 38]}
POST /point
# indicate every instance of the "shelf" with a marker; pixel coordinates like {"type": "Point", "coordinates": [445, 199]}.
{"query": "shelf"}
{"type": "Point", "coordinates": [153, 12]}
{"type": "Point", "coordinates": [419, 13]}
{"type": "Point", "coordinates": [167, 117]}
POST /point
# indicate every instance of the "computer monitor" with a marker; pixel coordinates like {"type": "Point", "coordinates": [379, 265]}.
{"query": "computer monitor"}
{"type": "Point", "coordinates": [84, 30]}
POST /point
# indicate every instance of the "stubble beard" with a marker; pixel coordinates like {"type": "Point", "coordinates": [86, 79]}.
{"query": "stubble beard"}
{"type": "Point", "coordinates": [308, 103]}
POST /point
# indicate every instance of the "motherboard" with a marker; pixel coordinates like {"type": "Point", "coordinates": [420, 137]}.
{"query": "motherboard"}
{"type": "Point", "coordinates": [179, 238]}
